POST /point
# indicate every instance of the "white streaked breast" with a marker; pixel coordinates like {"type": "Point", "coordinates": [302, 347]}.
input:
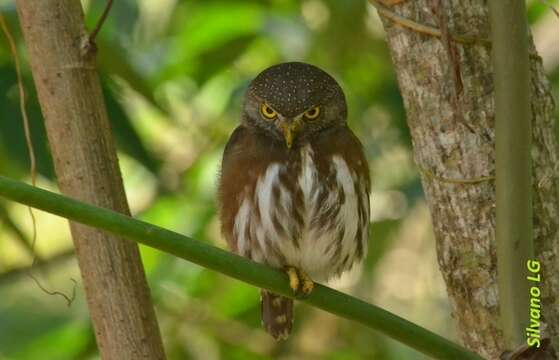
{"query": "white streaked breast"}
{"type": "Point", "coordinates": [318, 246]}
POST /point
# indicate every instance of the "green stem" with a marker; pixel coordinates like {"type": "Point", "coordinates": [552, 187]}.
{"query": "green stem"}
{"type": "Point", "coordinates": [513, 135]}
{"type": "Point", "coordinates": [235, 266]}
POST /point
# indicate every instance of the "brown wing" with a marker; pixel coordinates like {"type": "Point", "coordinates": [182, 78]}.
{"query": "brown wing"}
{"type": "Point", "coordinates": [342, 141]}
{"type": "Point", "coordinates": [246, 156]}
{"type": "Point", "coordinates": [232, 182]}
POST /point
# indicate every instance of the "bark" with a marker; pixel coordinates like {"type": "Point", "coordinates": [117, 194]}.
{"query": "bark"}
{"type": "Point", "coordinates": [446, 81]}
{"type": "Point", "coordinates": [87, 169]}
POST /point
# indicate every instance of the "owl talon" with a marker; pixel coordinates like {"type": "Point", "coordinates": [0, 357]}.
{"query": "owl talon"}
{"type": "Point", "coordinates": [307, 285]}
{"type": "Point", "coordinates": [300, 283]}
{"type": "Point", "coordinates": [293, 278]}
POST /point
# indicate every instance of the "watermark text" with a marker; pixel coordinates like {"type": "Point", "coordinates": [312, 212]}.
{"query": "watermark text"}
{"type": "Point", "coordinates": [533, 335]}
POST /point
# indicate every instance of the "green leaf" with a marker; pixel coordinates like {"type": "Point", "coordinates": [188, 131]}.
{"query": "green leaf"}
{"type": "Point", "coordinates": [211, 36]}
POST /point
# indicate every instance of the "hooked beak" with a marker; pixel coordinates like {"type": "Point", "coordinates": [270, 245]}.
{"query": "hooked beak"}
{"type": "Point", "coordinates": [290, 130]}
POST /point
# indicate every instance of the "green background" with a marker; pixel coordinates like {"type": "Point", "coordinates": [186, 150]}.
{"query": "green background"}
{"type": "Point", "coordinates": [174, 73]}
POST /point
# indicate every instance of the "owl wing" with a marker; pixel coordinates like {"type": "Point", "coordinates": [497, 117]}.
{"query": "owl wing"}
{"type": "Point", "coordinates": [342, 142]}
{"type": "Point", "coordinates": [230, 185]}
{"type": "Point", "coordinates": [363, 185]}
{"type": "Point", "coordinates": [246, 157]}
{"type": "Point", "coordinates": [353, 153]}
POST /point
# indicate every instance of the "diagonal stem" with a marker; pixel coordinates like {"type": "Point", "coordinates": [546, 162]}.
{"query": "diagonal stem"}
{"type": "Point", "coordinates": [235, 266]}
{"type": "Point", "coordinates": [100, 22]}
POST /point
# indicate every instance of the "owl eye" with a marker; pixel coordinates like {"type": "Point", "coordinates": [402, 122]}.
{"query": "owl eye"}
{"type": "Point", "coordinates": [312, 113]}
{"type": "Point", "coordinates": [268, 112]}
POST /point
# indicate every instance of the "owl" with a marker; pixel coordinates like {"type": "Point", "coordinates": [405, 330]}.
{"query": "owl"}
{"type": "Point", "coordinates": [294, 185]}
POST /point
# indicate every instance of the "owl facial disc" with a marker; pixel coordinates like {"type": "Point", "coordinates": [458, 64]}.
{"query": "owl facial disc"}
{"type": "Point", "coordinates": [293, 103]}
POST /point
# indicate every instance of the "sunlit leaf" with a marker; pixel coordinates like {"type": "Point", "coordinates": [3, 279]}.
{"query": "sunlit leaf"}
{"type": "Point", "coordinates": [211, 37]}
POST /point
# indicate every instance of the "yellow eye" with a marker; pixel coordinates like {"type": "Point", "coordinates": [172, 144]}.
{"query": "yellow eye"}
{"type": "Point", "coordinates": [312, 113]}
{"type": "Point", "coordinates": [267, 112]}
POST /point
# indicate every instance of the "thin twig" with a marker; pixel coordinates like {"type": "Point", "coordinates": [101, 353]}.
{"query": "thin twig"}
{"type": "Point", "coordinates": [425, 29]}
{"type": "Point", "coordinates": [21, 89]}
{"type": "Point", "coordinates": [32, 159]}
{"type": "Point", "coordinates": [433, 31]}
{"type": "Point", "coordinates": [555, 11]}
{"type": "Point", "coordinates": [43, 265]}
{"type": "Point", "coordinates": [69, 299]}
{"type": "Point", "coordinates": [100, 22]}
{"type": "Point", "coordinates": [27, 131]}
{"type": "Point", "coordinates": [432, 175]}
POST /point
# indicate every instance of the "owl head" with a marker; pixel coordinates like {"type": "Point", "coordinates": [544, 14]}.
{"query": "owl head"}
{"type": "Point", "coordinates": [293, 102]}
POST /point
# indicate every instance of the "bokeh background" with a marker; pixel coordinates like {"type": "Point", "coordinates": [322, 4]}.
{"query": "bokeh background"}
{"type": "Point", "coordinates": [173, 74]}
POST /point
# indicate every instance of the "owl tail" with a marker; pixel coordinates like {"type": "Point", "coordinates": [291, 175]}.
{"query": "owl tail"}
{"type": "Point", "coordinates": [277, 314]}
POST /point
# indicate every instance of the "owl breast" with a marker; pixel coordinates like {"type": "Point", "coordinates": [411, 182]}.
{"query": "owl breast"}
{"type": "Point", "coordinates": [308, 213]}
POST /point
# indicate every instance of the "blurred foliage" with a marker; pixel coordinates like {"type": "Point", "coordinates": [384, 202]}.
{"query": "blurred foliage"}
{"type": "Point", "coordinates": [173, 74]}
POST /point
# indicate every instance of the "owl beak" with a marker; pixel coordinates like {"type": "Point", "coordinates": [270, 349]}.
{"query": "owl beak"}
{"type": "Point", "coordinates": [290, 130]}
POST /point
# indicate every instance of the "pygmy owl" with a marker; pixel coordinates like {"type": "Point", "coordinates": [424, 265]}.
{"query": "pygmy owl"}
{"type": "Point", "coordinates": [294, 187]}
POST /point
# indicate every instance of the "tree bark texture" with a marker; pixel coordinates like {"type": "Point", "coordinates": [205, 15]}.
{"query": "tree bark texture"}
{"type": "Point", "coordinates": [443, 63]}
{"type": "Point", "coordinates": [87, 169]}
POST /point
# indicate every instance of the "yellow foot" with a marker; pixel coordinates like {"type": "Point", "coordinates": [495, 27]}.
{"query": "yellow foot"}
{"type": "Point", "coordinates": [300, 283]}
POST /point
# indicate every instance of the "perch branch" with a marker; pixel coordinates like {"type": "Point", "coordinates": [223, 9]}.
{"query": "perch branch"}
{"type": "Point", "coordinates": [235, 266]}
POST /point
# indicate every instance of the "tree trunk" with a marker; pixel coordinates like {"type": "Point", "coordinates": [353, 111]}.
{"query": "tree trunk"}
{"type": "Point", "coordinates": [87, 169]}
{"type": "Point", "coordinates": [444, 68]}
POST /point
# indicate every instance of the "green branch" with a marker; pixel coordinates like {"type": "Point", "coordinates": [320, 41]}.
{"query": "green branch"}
{"type": "Point", "coordinates": [513, 135]}
{"type": "Point", "coordinates": [235, 266]}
